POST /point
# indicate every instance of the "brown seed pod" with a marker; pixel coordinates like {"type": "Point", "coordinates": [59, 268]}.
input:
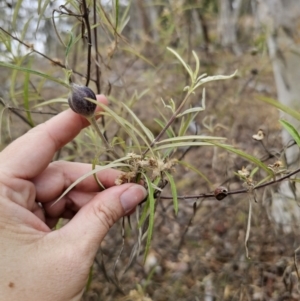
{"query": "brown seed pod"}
{"type": "Point", "coordinates": [78, 102]}
{"type": "Point", "coordinates": [220, 193]}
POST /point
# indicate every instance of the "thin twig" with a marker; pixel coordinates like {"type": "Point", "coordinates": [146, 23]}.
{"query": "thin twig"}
{"type": "Point", "coordinates": [89, 40]}
{"type": "Point", "coordinates": [98, 70]}
{"type": "Point", "coordinates": [238, 191]}
{"type": "Point", "coordinates": [109, 149]}
{"type": "Point", "coordinates": [31, 111]}
{"type": "Point", "coordinates": [171, 120]}
{"type": "Point", "coordinates": [42, 99]}
{"type": "Point", "coordinates": [195, 208]}
{"type": "Point", "coordinates": [16, 113]}
{"type": "Point", "coordinates": [54, 62]}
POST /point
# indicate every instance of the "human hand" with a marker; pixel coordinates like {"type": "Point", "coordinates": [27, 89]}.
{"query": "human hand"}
{"type": "Point", "coordinates": [35, 262]}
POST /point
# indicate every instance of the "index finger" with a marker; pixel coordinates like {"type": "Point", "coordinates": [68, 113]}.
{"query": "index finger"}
{"type": "Point", "coordinates": [30, 154]}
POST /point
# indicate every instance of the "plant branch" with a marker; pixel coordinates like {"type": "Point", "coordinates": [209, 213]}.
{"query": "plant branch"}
{"type": "Point", "coordinates": [85, 16]}
{"type": "Point", "coordinates": [98, 70]}
{"type": "Point", "coordinates": [244, 190]}
{"type": "Point", "coordinates": [54, 62]}
{"type": "Point", "coordinates": [15, 111]}
{"type": "Point", "coordinates": [171, 120]}
{"type": "Point", "coordinates": [93, 122]}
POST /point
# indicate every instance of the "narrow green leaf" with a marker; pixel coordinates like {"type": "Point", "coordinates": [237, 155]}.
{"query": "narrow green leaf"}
{"type": "Point", "coordinates": [39, 6]}
{"type": "Point", "coordinates": [6, 41]}
{"type": "Point", "coordinates": [291, 130]}
{"type": "Point", "coordinates": [173, 190]}
{"type": "Point", "coordinates": [162, 125]}
{"type": "Point", "coordinates": [120, 142]}
{"type": "Point", "coordinates": [185, 123]}
{"type": "Point", "coordinates": [94, 165]}
{"type": "Point", "coordinates": [25, 28]}
{"type": "Point", "coordinates": [47, 76]}
{"type": "Point", "coordinates": [117, 15]}
{"type": "Point", "coordinates": [245, 156]}
{"type": "Point", "coordinates": [191, 167]}
{"type": "Point", "coordinates": [181, 144]}
{"type": "Point", "coordinates": [125, 125]}
{"type": "Point", "coordinates": [115, 164]}
{"type": "Point", "coordinates": [224, 146]}
{"type": "Point", "coordinates": [15, 15]}
{"type": "Point", "coordinates": [26, 99]}
{"type": "Point", "coordinates": [69, 45]}
{"type": "Point", "coordinates": [121, 122]}
{"type": "Point", "coordinates": [295, 180]}
{"type": "Point", "coordinates": [191, 110]}
{"type": "Point", "coordinates": [90, 279]}
{"type": "Point", "coordinates": [123, 25]}
{"type": "Point", "coordinates": [40, 86]}
{"type": "Point", "coordinates": [144, 214]}
{"type": "Point", "coordinates": [50, 102]}
{"type": "Point", "coordinates": [275, 103]}
{"type": "Point", "coordinates": [12, 93]}
{"type": "Point", "coordinates": [59, 224]}
{"type": "Point", "coordinates": [126, 12]}
{"type": "Point", "coordinates": [267, 178]}
{"type": "Point", "coordinates": [41, 12]}
{"type": "Point", "coordinates": [189, 137]}
{"type": "Point", "coordinates": [125, 18]}
{"type": "Point", "coordinates": [55, 29]}
{"type": "Point", "coordinates": [248, 228]}
{"type": "Point", "coordinates": [197, 111]}
{"type": "Point", "coordinates": [254, 171]}
{"type": "Point", "coordinates": [151, 201]}
{"type": "Point", "coordinates": [187, 67]}
{"type": "Point", "coordinates": [145, 129]}
{"type": "Point", "coordinates": [171, 106]}
{"type": "Point", "coordinates": [197, 65]}
{"type": "Point", "coordinates": [130, 50]}
{"type": "Point", "coordinates": [165, 120]}
{"type": "Point", "coordinates": [147, 205]}
{"type": "Point", "coordinates": [1, 121]}
{"type": "Point", "coordinates": [213, 78]}
{"type": "Point", "coordinates": [8, 127]}
{"type": "Point", "coordinates": [105, 19]}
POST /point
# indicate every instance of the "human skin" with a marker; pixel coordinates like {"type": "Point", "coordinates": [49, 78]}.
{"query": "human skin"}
{"type": "Point", "coordinates": [37, 263]}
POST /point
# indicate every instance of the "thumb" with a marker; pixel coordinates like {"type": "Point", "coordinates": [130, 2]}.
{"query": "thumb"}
{"type": "Point", "coordinates": [92, 222]}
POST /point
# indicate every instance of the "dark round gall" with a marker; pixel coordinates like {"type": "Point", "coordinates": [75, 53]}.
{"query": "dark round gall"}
{"type": "Point", "coordinates": [220, 193]}
{"type": "Point", "coordinates": [78, 100]}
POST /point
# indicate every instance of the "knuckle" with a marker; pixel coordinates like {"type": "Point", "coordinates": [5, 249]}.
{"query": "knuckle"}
{"type": "Point", "coordinates": [106, 216]}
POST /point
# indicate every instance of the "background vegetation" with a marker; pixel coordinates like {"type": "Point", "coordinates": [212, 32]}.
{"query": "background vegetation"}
{"type": "Point", "coordinates": [186, 242]}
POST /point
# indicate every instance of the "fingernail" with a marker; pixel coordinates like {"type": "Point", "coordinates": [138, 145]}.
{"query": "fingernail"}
{"type": "Point", "coordinates": [132, 197]}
